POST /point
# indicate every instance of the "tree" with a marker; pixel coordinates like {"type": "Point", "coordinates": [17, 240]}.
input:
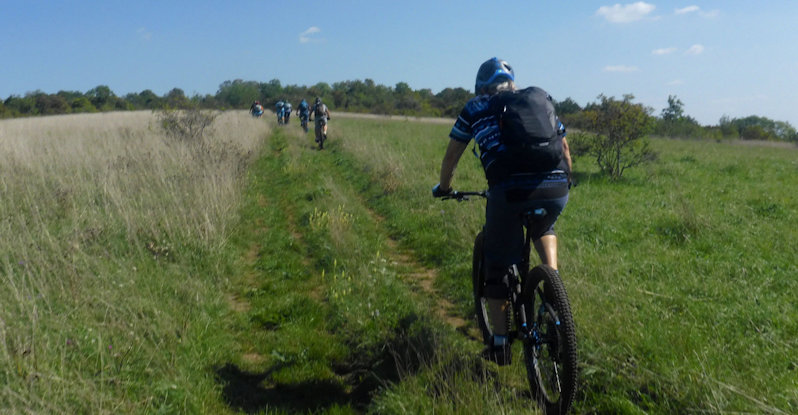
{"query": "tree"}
{"type": "Point", "coordinates": [50, 104]}
{"type": "Point", "coordinates": [20, 106]}
{"type": "Point", "coordinates": [568, 106]}
{"type": "Point", "coordinates": [675, 110]}
{"type": "Point", "coordinates": [101, 97]}
{"type": "Point", "coordinates": [619, 128]}
{"type": "Point", "coordinates": [239, 93]}
{"type": "Point", "coordinates": [176, 98]}
{"type": "Point", "coordinates": [271, 91]}
{"type": "Point", "coordinates": [145, 99]}
{"type": "Point", "coordinates": [452, 100]}
{"type": "Point", "coordinates": [322, 90]}
{"type": "Point", "coordinates": [82, 104]}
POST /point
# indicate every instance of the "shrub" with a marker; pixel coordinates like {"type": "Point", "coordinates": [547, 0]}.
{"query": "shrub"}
{"type": "Point", "coordinates": [619, 127]}
{"type": "Point", "coordinates": [189, 125]}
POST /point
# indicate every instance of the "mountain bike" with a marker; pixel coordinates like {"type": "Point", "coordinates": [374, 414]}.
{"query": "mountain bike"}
{"type": "Point", "coordinates": [303, 120]}
{"type": "Point", "coordinates": [320, 135]}
{"type": "Point", "coordinates": [541, 314]}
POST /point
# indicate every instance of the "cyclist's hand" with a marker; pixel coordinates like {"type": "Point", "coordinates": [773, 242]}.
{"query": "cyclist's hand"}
{"type": "Point", "coordinates": [438, 192]}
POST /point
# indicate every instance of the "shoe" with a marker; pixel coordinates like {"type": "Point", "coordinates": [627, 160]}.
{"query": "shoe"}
{"type": "Point", "coordinates": [501, 355]}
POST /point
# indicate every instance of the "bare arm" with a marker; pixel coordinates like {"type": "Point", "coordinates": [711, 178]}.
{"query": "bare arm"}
{"type": "Point", "coordinates": [453, 153]}
{"type": "Point", "coordinates": [566, 153]}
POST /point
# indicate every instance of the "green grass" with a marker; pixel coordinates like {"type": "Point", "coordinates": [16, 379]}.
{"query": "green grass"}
{"type": "Point", "coordinates": [681, 276]}
{"type": "Point", "coordinates": [270, 277]}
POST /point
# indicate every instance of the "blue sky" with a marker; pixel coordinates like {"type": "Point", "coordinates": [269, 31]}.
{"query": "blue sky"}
{"type": "Point", "coordinates": [731, 57]}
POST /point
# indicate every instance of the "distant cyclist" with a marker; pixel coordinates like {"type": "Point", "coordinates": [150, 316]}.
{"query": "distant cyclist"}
{"type": "Point", "coordinates": [303, 111]}
{"type": "Point", "coordinates": [280, 107]}
{"type": "Point", "coordinates": [286, 112]}
{"type": "Point", "coordinates": [322, 114]}
{"type": "Point", "coordinates": [256, 109]}
{"type": "Point", "coordinates": [515, 185]}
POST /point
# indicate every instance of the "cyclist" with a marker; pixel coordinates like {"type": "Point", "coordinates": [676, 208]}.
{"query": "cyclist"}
{"type": "Point", "coordinates": [302, 111]}
{"type": "Point", "coordinates": [256, 109]}
{"type": "Point", "coordinates": [322, 114]}
{"type": "Point", "coordinates": [509, 194]}
{"type": "Point", "coordinates": [286, 112]}
{"type": "Point", "coordinates": [280, 107]}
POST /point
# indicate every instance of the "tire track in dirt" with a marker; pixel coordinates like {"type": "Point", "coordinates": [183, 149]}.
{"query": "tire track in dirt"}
{"type": "Point", "coordinates": [424, 278]}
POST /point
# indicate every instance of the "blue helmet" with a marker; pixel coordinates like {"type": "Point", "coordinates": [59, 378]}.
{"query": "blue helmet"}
{"type": "Point", "coordinates": [491, 70]}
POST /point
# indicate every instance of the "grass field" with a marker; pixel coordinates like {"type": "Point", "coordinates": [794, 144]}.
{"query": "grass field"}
{"type": "Point", "coordinates": [255, 274]}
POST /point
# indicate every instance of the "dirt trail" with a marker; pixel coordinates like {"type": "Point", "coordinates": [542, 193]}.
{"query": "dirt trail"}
{"type": "Point", "coordinates": [425, 279]}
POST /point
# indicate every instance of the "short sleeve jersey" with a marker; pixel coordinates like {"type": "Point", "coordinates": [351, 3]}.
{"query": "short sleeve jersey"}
{"type": "Point", "coordinates": [477, 121]}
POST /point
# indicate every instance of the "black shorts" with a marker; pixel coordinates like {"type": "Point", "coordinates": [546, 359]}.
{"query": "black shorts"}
{"type": "Point", "coordinates": [507, 201]}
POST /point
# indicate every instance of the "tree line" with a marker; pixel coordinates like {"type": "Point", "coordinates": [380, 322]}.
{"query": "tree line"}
{"type": "Point", "coordinates": [366, 96]}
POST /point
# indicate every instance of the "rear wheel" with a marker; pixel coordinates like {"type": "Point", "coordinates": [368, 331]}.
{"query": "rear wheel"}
{"type": "Point", "coordinates": [478, 281]}
{"type": "Point", "coordinates": [550, 354]}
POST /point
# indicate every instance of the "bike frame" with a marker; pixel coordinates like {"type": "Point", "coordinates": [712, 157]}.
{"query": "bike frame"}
{"type": "Point", "coordinates": [549, 342]}
{"type": "Point", "coordinates": [524, 330]}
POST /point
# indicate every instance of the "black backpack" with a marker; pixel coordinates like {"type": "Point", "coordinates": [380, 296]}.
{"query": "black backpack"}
{"type": "Point", "coordinates": [529, 134]}
{"type": "Point", "coordinates": [320, 110]}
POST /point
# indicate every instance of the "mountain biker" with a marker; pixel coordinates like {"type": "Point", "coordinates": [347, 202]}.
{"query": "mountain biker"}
{"type": "Point", "coordinates": [302, 110]}
{"type": "Point", "coordinates": [322, 114]}
{"type": "Point", "coordinates": [509, 195]}
{"type": "Point", "coordinates": [286, 112]}
{"type": "Point", "coordinates": [280, 107]}
{"type": "Point", "coordinates": [256, 109]}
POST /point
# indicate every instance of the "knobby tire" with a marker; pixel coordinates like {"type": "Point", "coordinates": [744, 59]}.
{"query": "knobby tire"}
{"type": "Point", "coordinates": [551, 365]}
{"type": "Point", "coordinates": [478, 284]}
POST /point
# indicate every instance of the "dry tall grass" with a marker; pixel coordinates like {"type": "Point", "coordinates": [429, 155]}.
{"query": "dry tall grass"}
{"type": "Point", "coordinates": [82, 199]}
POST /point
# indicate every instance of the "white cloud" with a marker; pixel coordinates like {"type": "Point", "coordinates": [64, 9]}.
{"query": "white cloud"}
{"type": "Point", "coordinates": [696, 9]}
{"type": "Point", "coordinates": [663, 51]}
{"type": "Point", "coordinates": [676, 82]}
{"type": "Point", "coordinates": [620, 68]}
{"type": "Point", "coordinates": [625, 13]}
{"type": "Point", "coordinates": [688, 9]}
{"type": "Point", "coordinates": [695, 50]}
{"type": "Point", "coordinates": [308, 35]}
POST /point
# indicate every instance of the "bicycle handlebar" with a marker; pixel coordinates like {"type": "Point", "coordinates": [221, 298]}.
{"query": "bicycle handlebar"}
{"type": "Point", "coordinates": [461, 196]}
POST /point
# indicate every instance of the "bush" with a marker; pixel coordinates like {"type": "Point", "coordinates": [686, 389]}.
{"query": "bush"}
{"type": "Point", "coordinates": [619, 127]}
{"type": "Point", "coordinates": [189, 125]}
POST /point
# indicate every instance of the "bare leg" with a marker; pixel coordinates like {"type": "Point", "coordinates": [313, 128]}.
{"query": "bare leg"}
{"type": "Point", "coordinates": [546, 247]}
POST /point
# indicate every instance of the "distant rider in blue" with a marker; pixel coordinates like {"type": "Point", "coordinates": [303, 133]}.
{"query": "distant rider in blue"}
{"type": "Point", "coordinates": [280, 108]}
{"type": "Point", "coordinates": [303, 111]}
{"type": "Point", "coordinates": [286, 112]}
